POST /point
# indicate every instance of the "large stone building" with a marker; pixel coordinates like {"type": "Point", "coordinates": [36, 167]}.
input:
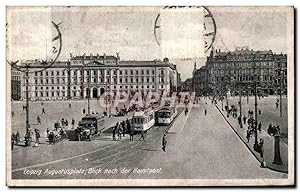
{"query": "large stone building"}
{"type": "Point", "coordinates": [93, 75]}
{"type": "Point", "coordinates": [15, 84]}
{"type": "Point", "coordinates": [229, 72]}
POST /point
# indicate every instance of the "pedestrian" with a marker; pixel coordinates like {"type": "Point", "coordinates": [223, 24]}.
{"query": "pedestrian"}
{"type": "Point", "coordinates": [119, 132]}
{"type": "Point", "coordinates": [17, 137]}
{"type": "Point", "coordinates": [27, 138]}
{"type": "Point", "coordinates": [259, 126]}
{"type": "Point", "coordinates": [43, 111]}
{"type": "Point", "coordinates": [62, 121]}
{"type": "Point", "coordinates": [73, 123]}
{"type": "Point", "coordinates": [38, 120]}
{"type": "Point", "coordinates": [66, 123]}
{"type": "Point", "coordinates": [164, 143]}
{"type": "Point", "coordinates": [261, 146]}
{"type": "Point", "coordinates": [270, 129]}
{"type": "Point", "coordinates": [244, 119]}
{"type": "Point", "coordinates": [131, 134]}
{"type": "Point", "coordinates": [259, 112]}
{"type": "Point", "coordinates": [114, 132]}
{"type": "Point", "coordinates": [48, 132]}
{"type": "Point", "coordinates": [124, 128]}
{"type": "Point", "coordinates": [205, 111]}
{"type": "Point", "coordinates": [142, 135]}
{"type": "Point", "coordinates": [248, 135]}
{"type": "Point", "coordinates": [13, 139]}
{"type": "Point", "coordinates": [70, 105]}
{"type": "Point", "coordinates": [37, 136]}
{"type": "Point", "coordinates": [83, 110]}
{"type": "Point", "coordinates": [277, 129]}
{"type": "Point", "coordinates": [51, 138]}
{"type": "Point", "coordinates": [239, 120]}
{"type": "Point", "coordinates": [186, 111]}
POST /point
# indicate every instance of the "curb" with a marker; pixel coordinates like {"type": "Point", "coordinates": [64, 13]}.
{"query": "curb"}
{"type": "Point", "coordinates": [271, 168]}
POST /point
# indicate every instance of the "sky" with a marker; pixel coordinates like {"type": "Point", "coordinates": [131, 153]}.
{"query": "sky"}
{"type": "Point", "coordinates": [129, 31]}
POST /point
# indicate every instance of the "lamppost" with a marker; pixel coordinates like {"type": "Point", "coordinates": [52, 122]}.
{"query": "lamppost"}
{"type": "Point", "coordinates": [89, 91]}
{"type": "Point", "coordinates": [256, 145]}
{"type": "Point", "coordinates": [240, 102]}
{"type": "Point", "coordinates": [280, 71]}
{"type": "Point", "coordinates": [27, 97]}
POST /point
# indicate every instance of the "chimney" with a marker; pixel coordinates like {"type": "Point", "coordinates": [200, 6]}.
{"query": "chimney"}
{"type": "Point", "coordinates": [104, 55]}
{"type": "Point", "coordinates": [118, 55]}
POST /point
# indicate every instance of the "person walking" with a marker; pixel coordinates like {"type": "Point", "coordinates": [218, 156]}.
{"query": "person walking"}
{"type": "Point", "coordinates": [73, 123]}
{"type": "Point", "coordinates": [164, 143]}
{"type": "Point", "coordinates": [142, 135]}
{"type": "Point", "coordinates": [38, 120]}
{"type": "Point", "coordinates": [48, 132]}
{"type": "Point", "coordinates": [131, 134]}
{"type": "Point", "coordinates": [259, 127]}
{"type": "Point", "coordinates": [277, 129]}
{"type": "Point", "coordinates": [17, 137]}
{"type": "Point", "coordinates": [37, 136]}
{"type": "Point", "coordinates": [239, 120]}
{"type": "Point", "coordinates": [83, 110]}
{"type": "Point", "coordinates": [114, 132]}
{"type": "Point", "coordinates": [70, 105]}
{"type": "Point", "coordinates": [248, 135]}
{"type": "Point", "coordinates": [43, 111]}
{"type": "Point", "coordinates": [119, 133]}
{"type": "Point", "coordinates": [261, 152]}
{"type": "Point", "coordinates": [186, 111]}
{"type": "Point", "coordinates": [124, 128]}
{"type": "Point", "coordinates": [13, 139]}
{"type": "Point", "coordinates": [205, 111]}
{"type": "Point", "coordinates": [245, 119]}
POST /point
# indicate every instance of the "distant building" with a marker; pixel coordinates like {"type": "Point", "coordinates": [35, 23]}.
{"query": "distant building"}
{"type": "Point", "coordinates": [230, 71]}
{"type": "Point", "coordinates": [15, 84]}
{"type": "Point", "coordinates": [92, 75]}
{"type": "Point", "coordinates": [187, 85]}
{"type": "Point", "coordinates": [200, 80]}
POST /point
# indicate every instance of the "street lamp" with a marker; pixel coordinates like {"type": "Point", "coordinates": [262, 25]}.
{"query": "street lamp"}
{"type": "Point", "coordinates": [240, 102]}
{"type": "Point", "coordinates": [280, 71]}
{"type": "Point", "coordinates": [256, 145]}
{"type": "Point", "coordinates": [27, 98]}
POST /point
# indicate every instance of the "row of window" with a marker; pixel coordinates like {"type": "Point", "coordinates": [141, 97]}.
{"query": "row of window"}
{"type": "Point", "coordinates": [248, 78]}
{"type": "Point", "coordinates": [74, 87]}
{"type": "Point", "coordinates": [250, 71]}
{"type": "Point", "coordinates": [244, 64]}
{"type": "Point", "coordinates": [63, 93]}
{"type": "Point", "coordinates": [100, 80]}
{"type": "Point", "coordinates": [94, 72]}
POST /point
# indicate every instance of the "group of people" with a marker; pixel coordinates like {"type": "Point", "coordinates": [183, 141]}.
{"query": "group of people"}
{"type": "Point", "coordinates": [273, 130]}
{"type": "Point", "coordinates": [231, 110]}
{"type": "Point", "coordinates": [121, 129]}
{"type": "Point", "coordinates": [15, 139]}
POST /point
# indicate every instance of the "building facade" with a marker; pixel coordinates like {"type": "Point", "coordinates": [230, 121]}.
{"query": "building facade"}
{"type": "Point", "coordinates": [232, 72]}
{"type": "Point", "coordinates": [200, 81]}
{"type": "Point", "coordinates": [92, 76]}
{"type": "Point", "coordinates": [15, 84]}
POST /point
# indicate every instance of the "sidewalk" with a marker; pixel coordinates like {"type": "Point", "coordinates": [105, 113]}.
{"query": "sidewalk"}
{"type": "Point", "coordinates": [268, 143]}
{"type": "Point", "coordinates": [180, 121]}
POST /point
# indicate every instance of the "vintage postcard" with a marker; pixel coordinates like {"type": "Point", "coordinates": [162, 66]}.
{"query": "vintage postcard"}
{"type": "Point", "coordinates": [150, 96]}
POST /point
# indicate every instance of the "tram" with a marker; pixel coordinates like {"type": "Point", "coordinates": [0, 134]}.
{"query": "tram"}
{"type": "Point", "coordinates": [165, 116]}
{"type": "Point", "coordinates": [143, 120]}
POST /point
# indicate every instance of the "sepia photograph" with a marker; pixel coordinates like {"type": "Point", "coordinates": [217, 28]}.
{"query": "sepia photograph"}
{"type": "Point", "coordinates": [150, 96]}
